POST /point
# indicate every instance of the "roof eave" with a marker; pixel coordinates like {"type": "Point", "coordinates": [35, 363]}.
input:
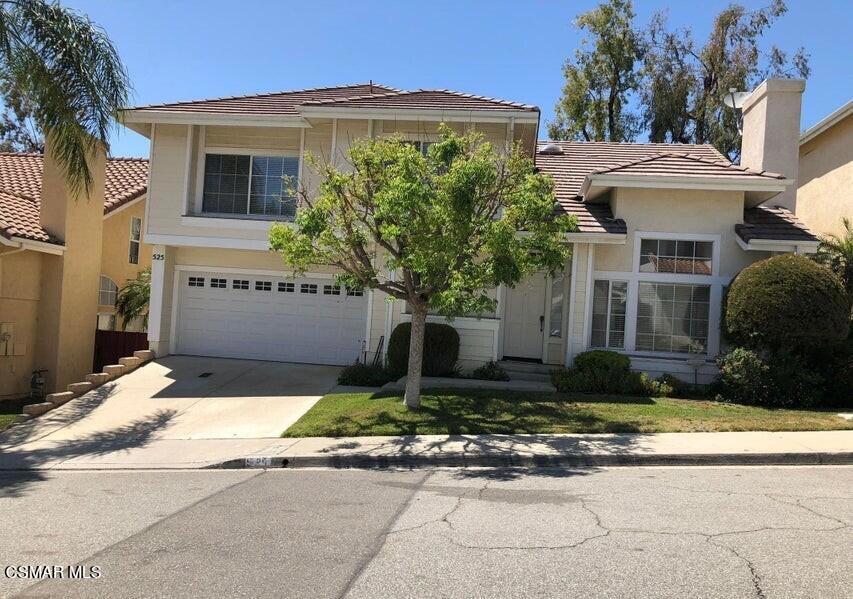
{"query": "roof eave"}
{"type": "Point", "coordinates": [778, 245]}
{"type": "Point", "coordinates": [31, 244]}
{"type": "Point", "coordinates": [593, 183]}
{"type": "Point", "coordinates": [486, 115]}
{"type": "Point", "coordinates": [827, 122]}
{"type": "Point", "coordinates": [180, 117]}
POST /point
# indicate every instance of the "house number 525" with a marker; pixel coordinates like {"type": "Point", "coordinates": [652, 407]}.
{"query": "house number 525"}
{"type": "Point", "coordinates": [158, 257]}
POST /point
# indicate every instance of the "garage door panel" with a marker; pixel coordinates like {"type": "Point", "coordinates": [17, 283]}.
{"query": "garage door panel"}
{"type": "Point", "coordinates": [321, 328]}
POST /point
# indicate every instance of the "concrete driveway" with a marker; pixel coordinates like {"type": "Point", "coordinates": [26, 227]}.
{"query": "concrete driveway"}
{"type": "Point", "coordinates": [173, 401]}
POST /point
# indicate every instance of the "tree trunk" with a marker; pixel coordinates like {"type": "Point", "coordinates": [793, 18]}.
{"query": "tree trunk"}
{"type": "Point", "coordinates": [412, 398]}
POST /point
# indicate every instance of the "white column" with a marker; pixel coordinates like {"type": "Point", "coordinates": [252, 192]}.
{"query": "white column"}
{"type": "Point", "coordinates": [570, 329]}
{"type": "Point", "coordinates": [156, 339]}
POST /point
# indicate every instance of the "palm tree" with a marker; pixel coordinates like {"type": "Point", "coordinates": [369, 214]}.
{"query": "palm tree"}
{"type": "Point", "coordinates": [70, 72]}
{"type": "Point", "coordinates": [836, 251]}
{"type": "Point", "coordinates": [132, 300]}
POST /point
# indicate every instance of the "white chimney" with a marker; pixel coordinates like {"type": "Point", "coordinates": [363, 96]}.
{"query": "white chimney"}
{"type": "Point", "coordinates": [771, 133]}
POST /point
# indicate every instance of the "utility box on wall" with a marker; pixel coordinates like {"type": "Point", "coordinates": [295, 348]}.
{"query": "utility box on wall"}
{"type": "Point", "coordinates": [7, 338]}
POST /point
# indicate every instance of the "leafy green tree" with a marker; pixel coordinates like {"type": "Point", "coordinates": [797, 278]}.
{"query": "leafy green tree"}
{"type": "Point", "coordinates": [836, 251]}
{"type": "Point", "coordinates": [436, 230]}
{"type": "Point", "coordinates": [685, 83]}
{"type": "Point", "coordinates": [594, 104]}
{"type": "Point", "coordinates": [133, 299]}
{"type": "Point", "coordinates": [69, 72]}
{"type": "Point", "coordinates": [19, 131]}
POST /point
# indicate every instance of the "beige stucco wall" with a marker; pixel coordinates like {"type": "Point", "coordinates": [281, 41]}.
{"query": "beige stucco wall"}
{"type": "Point", "coordinates": [115, 257]}
{"type": "Point", "coordinates": [20, 289]}
{"type": "Point", "coordinates": [677, 211]}
{"type": "Point", "coordinates": [69, 283]}
{"type": "Point", "coordinates": [825, 192]}
{"type": "Point", "coordinates": [175, 192]}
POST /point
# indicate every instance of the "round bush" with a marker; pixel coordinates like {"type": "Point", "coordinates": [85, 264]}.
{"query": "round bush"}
{"type": "Point", "coordinates": [787, 302]}
{"type": "Point", "coordinates": [441, 349]}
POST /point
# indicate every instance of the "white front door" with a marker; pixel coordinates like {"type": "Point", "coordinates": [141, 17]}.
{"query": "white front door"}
{"type": "Point", "coordinates": [524, 319]}
{"type": "Point", "coordinates": [262, 317]}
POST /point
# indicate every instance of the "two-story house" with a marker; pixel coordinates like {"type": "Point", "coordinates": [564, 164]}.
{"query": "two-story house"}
{"type": "Point", "coordinates": [662, 230]}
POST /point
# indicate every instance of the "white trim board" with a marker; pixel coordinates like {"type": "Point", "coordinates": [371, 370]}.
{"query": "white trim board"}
{"type": "Point", "coordinates": [251, 271]}
{"type": "Point", "coordinates": [126, 206]}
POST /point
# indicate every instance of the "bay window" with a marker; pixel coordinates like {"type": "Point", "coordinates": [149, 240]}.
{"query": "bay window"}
{"type": "Point", "coordinates": [259, 186]}
{"type": "Point", "coordinates": [672, 317]}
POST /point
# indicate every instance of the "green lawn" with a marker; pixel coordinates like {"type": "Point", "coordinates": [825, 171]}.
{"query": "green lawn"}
{"type": "Point", "coordinates": [6, 420]}
{"type": "Point", "coordinates": [482, 412]}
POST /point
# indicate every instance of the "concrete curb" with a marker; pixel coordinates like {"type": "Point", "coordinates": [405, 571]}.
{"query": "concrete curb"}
{"type": "Point", "coordinates": [537, 461]}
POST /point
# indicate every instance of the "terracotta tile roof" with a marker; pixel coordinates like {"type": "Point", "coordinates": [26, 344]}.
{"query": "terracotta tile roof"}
{"type": "Point", "coordinates": [275, 103]}
{"type": "Point", "coordinates": [440, 99]}
{"type": "Point", "coordinates": [362, 95]}
{"type": "Point", "coordinates": [20, 191]}
{"type": "Point", "coordinates": [773, 223]}
{"type": "Point", "coordinates": [19, 217]}
{"type": "Point", "coordinates": [126, 179]}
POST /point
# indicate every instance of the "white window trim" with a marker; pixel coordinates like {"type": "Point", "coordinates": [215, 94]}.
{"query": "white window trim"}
{"type": "Point", "coordinates": [110, 291]}
{"type": "Point", "coordinates": [607, 324]}
{"type": "Point", "coordinates": [639, 236]}
{"type": "Point", "coordinates": [715, 281]}
{"type": "Point", "coordinates": [251, 152]}
{"type": "Point", "coordinates": [131, 240]}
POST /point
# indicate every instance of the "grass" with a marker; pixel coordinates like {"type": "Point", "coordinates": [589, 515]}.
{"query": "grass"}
{"type": "Point", "coordinates": [6, 420]}
{"type": "Point", "coordinates": [501, 412]}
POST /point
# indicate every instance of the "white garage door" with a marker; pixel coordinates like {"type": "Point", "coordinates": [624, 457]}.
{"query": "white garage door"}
{"type": "Point", "coordinates": [269, 318]}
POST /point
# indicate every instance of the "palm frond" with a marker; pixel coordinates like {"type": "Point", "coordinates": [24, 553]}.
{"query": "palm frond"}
{"type": "Point", "coordinates": [133, 298]}
{"type": "Point", "coordinates": [72, 74]}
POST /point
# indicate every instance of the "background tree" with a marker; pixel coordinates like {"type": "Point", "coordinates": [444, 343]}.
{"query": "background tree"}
{"type": "Point", "coordinates": [19, 131]}
{"type": "Point", "coordinates": [67, 73]}
{"type": "Point", "coordinates": [682, 97]}
{"type": "Point", "coordinates": [445, 223]}
{"type": "Point", "coordinates": [594, 104]}
{"type": "Point", "coordinates": [677, 84]}
{"type": "Point", "coordinates": [133, 299]}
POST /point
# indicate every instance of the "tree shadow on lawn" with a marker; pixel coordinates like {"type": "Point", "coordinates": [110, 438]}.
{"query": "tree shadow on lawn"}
{"type": "Point", "coordinates": [508, 430]}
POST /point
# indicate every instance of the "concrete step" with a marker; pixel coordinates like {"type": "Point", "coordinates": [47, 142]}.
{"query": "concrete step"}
{"type": "Point", "coordinates": [529, 376]}
{"type": "Point", "coordinates": [532, 367]}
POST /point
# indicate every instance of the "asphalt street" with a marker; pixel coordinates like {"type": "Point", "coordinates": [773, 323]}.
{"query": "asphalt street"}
{"type": "Point", "coordinates": [621, 532]}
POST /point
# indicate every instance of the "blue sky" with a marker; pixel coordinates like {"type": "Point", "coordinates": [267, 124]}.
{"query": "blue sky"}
{"type": "Point", "coordinates": [508, 49]}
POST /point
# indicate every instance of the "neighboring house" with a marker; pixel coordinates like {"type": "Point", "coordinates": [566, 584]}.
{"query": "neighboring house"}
{"type": "Point", "coordinates": [662, 230]}
{"type": "Point", "coordinates": [825, 184]}
{"type": "Point", "coordinates": [61, 257]}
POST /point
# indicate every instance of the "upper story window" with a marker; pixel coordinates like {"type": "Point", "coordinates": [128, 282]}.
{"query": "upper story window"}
{"type": "Point", "coordinates": [107, 292]}
{"type": "Point", "coordinates": [250, 185]}
{"type": "Point", "coordinates": [135, 239]}
{"type": "Point", "coordinates": [676, 256]}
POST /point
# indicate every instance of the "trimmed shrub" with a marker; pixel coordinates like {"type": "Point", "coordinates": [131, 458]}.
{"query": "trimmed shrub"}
{"type": "Point", "coordinates": [364, 375]}
{"type": "Point", "coordinates": [601, 371]}
{"type": "Point", "coordinates": [490, 371]}
{"type": "Point", "coordinates": [784, 380]}
{"type": "Point", "coordinates": [441, 349]}
{"type": "Point", "coordinates": [743, 378]}
{"type": "Point", "coordinates": [788, 302]}
{"type": "Point", "coordinates": [601, 360]}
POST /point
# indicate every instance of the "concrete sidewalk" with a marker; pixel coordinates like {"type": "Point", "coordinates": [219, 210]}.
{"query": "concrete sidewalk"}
{"type": "Point", "coordinates": [748, 448]}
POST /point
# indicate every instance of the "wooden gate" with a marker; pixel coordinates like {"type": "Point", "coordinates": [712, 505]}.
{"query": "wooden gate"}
{"type": "Point", "coordinates": [112, 345]}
